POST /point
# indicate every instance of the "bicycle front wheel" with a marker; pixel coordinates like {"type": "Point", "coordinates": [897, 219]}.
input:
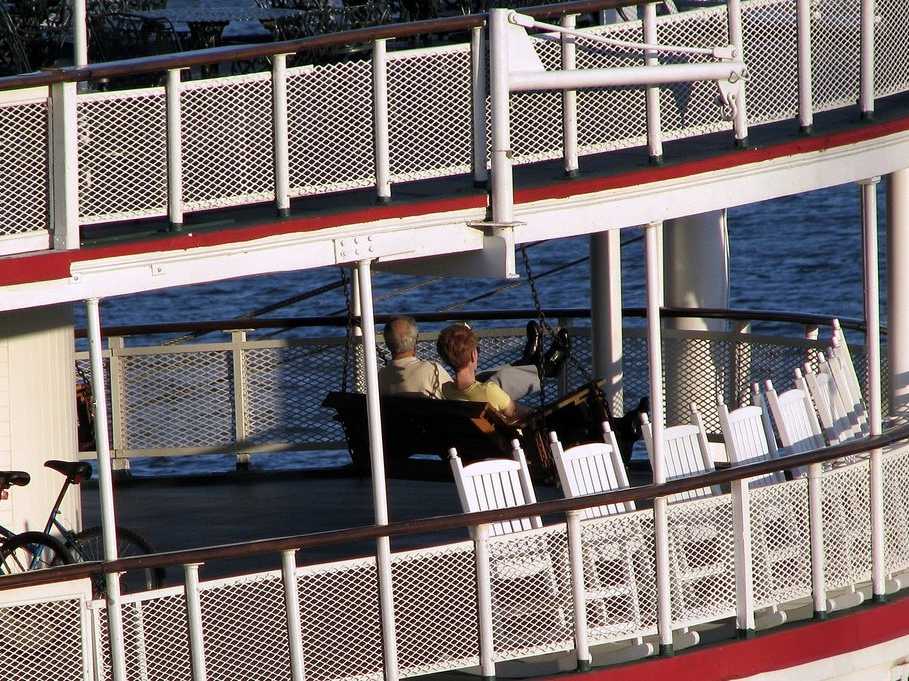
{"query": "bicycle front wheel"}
{"type": "Point", "coordinates": [32, 551]}
{"type": "Point", "coordinates": [89, 545]}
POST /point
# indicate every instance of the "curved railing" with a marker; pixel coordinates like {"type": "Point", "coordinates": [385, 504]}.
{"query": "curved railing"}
{"type": "Point", "coordinates": [757, 553]}
{"type": "Point", "coordinates": [216, 143]}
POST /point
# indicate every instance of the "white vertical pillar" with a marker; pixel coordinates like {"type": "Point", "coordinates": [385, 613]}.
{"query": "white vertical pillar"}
{"type": "Point", "coordinates": [280, 134]}
{"type": "Point", "coordinates": [569, 101]}
{"type": "Point", "coordinates": [696, 268]}
{"type": "Point", "coordinates": [484, 602]}
{"type": "Point", "coordinates": [606, 313]}
{"type": "Point", "coordinates": [655, 363]}
{"type": "Point", "coordinates": [578, 590]}
{"type": "Point", "coordinates": [64, 162]}
{"type": "Point", "coordinates": [898, 292]}
{"type": "Point", "coordinates": [194, 620]}
{"type": "Point", "coordinates": [806, 106]}
{"type": "Point", "coordinates": [816, 540]}
{"type": "Point", "coordinates": [873, 354]}
{"type": "Point", "coordinates": [502, 181]}
{"type": "Point", "coordinates": [105, 490]}
{"type": "Point", "coordinates": [80, 33]}
{"type": "Point", "coordinates": [866, 80]}
{"type": "Point", "coordinates": [292, 609]}
{"type": "Point", "coordinates": [652, 93]}
{"type": "Point", "coordinates": [478, 105]}
{"type": "Point", "coordinates": [174, 151]}
{"type": "Point", "coordinates": [377, 459]}
{"type": "Point", "coordinates": [380, 121]}
{"type": "Point", "coordinates": [744, 592]}
{"type": "Point", "coordinates": [734, 19]}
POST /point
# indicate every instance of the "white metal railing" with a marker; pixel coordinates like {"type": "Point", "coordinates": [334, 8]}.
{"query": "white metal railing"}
{"type": "Point", "coordinates": [749, 553]}
{"type": "Point", "coordinates": [416, 114]}
{"type": "Point", "coordinates": [260, 396]}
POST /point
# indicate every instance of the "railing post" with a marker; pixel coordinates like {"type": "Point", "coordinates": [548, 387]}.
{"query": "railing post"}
{"type": "Point", "coordinates": [380, 121]}
{"type": "Point", "coordinates": [578, 590]}
{"type": "Point", "coordinates": [806, 105]}
{"type": "Point", "coordinates": [478, 105]}
{"type": "Point", "coordinates": [873, 355]}
{"type": "Point", "coordinates": [64, 166]}
{"type": "Point", "coordinates": [652, 92]}
{"type": "Point", "coordinates": [119, 463]}
{"type": "Point", "coordinates": [866, 84]}
{"type": "Point", "coordinates": [744, 586]}
{"type": "Point", "coordinates": [655, 365]}
{"type": "Point", "coordinates": [502, 181]}
{"type": "Point", "coordinates": [106, 492]}
{"type": "Point", "coordinates": [816, 539]}
{"type": "Point", "coordinates": [280, 134]}
{"type": "Point", "coordinates": [194, 620]}
{"type": "Point", "coordinates": [80, 33]}
{"type": "Point", "coordinates": [292, 608]}
{"type": "Point", "coordinates": [484, 602]}
{"type": "Point", "coordinates": [569, 101]}
{"type": "Point", "coordinates": [237, 339]}
{"type": "Point", "coordinates": [174, 151]}
{"type": "Point", "coordinates": [738, 357]}
{"type": "Point", "coordinates": [740, 122]}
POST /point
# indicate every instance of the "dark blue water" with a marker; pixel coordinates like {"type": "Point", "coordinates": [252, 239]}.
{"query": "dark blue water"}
{"type": "Point", "coordinates": [801, 253]}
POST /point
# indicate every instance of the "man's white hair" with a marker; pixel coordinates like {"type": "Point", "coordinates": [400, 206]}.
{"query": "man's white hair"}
{"type": "Point", "coordinates": [401, 334]}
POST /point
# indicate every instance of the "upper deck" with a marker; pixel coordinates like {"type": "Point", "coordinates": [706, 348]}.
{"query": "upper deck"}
{"type": "Point", "coordinates": [218, 157]}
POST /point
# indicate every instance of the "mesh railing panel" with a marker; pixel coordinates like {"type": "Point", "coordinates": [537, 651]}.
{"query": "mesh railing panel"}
{"type": "Point", "coordinates": [780, 543]}
{"type": "Point", "coordinates": [42, 640]}
{"type": "Point", "coordinates": [702, 560]}
{"type": "Point", "coordinates": [619, 576]}
{"type": "Point", "coordinates": [245, 628]}
{"type": "Point", "coordinates": [835, 53]}
{"type": "Point", "coordinates": [429, 109]}
{"type": "Point", "coordinates": [339, 610]}
{"type": "Point", "coordinates": [227, 142]}
{"type": "Point", "coordinates": [122, 155]}
{"type": "Point", "coordinates": [329, 118]}
{"type": "Point", "coordinates": [847, 525]}
{"type": "Point", "coordinates": [891, 34]}
{"type": "Point", "coordinates": [896, 508]}
{"type": "Point", "coordinates": [177, 400]}
{"type": "Point", "coordinates": [24, 179]}
{"type": "Point", "coordinates": [770, 45]}
{"type": "Point", "coordinates": [531, 593]}
{"type": "Point", "coordinates": [436, 609]}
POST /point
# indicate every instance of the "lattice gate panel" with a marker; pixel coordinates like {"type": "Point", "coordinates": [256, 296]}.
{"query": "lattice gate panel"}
{"type": "Point", "coordinates": [177, 399]}
{"type": "Point", "coordinates": [429, 113]}
{"type": "Point", "coordinates": [531, 593]}
{"type": "Point", "coordinates": [619, 576]}
{"type": "Point", "coordinates": [24, 178]}
{"type": "Point", "coordinates": [536, 117]}
{"type": "Point", "coordinates": [339, 609]}
{"type": "Point", "coordinates": [698, 370]}
{"type": "Point", "coordinates": [769, 36]}
{"type": "Point", "coordinates": [702, 560]}
{"type": "Point", "coordinates": [688, 109]}
{"type": "Point", "coordinates": [896, 508]}
{"type": "Point", "coordinates": [835, 53]}
{"type": "Point", "coordinates": [122, 155]}
{"type": "Point", "coordinates": [436, 609]}
{"type": "Point", "coordinates": [155, 638]}
{"type": "Point", "coordinates": [847, 525]}
{"type": "Point", "coordinates": [245, 628]}
{"type": "Point", "coordinates": [329, 115]}
{"type": "Point", "coordinates": [780, 543]}
{"type": "Point", "coordinates": [891, 35]}
{"type": "Point", "coordinates": [228, 155]}
{"type": "Point", "coordinates": [40, 641]}
{"type": "Point", "coordinates": [284, 390]}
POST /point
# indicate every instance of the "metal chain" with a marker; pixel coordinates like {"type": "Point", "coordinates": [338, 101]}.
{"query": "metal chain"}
{"type": "Point", "coordinates": [349, 330]}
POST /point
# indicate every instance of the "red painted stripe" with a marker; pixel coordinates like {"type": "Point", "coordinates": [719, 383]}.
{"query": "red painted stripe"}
{"type": "Point", "coordinates": [52, 265]}
{"type": "Point", "coordinates": [789, 647]}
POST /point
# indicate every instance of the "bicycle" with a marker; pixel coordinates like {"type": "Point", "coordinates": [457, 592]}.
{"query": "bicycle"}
{"type": "Point", "coordinates": [88, 545]}
{"type": "Point", "coordinates": [25, 551]}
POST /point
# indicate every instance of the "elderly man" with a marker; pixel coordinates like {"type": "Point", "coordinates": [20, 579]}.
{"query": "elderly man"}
{"type": "Point", "coordinates": [411, 376]}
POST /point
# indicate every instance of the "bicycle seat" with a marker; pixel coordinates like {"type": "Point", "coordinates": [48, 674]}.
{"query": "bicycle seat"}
{"type": "Point", "coordinates": [75, 471]}
{"type": "Point", "coordinates": [10, 478]}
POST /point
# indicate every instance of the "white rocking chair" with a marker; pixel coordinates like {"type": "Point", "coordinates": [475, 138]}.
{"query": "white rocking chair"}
{"type": "Point", "coordinates": [831, 411]}
{"type": "Point", "coordinates": [609, 566]}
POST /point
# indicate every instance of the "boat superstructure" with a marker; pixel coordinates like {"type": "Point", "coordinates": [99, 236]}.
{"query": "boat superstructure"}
{"type": "Point", "coordinates": [384, 162]}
